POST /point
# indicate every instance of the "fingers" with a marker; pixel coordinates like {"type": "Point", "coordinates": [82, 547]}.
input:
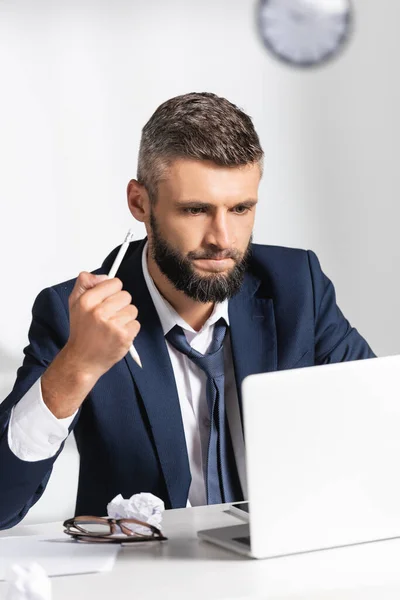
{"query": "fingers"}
{"type": "Point", "coordinates": [84, 282]}
{"type": "Point", "coordinates": [133, 329]}
{"type": "Point", "coordinates": [90, 290]}
{"type": "Point", "coordinates": [105, 299]}
{"type": "Point", "coordinates": [125, 316]}
{"type": "Point", "coordinates": [115, 303]}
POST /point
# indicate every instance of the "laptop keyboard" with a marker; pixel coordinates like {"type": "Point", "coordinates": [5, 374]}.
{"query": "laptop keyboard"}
{"type": "Point", "coordinates": [243, 540]}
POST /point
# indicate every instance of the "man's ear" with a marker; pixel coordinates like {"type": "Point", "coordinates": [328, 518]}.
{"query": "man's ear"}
{"type": "Point", "coordinates": [138, 200]}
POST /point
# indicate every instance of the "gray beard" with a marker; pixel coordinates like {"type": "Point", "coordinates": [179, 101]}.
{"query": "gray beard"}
{"type": "Point", "coordinates": [215, 287]}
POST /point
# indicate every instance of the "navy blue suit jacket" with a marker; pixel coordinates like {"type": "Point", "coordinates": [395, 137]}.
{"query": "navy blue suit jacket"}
{"type": "Point", "coordinates": [129, 429]}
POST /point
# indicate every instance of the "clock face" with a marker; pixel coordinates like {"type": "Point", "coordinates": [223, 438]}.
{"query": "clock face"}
{"type": "Point", "coordinates": [304, 32]}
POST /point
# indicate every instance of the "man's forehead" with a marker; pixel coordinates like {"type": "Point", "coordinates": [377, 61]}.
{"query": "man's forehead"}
{"type": "Point", "coordinates": [182, 166]}
{"type": "Point", "coordinates": [190, 180]}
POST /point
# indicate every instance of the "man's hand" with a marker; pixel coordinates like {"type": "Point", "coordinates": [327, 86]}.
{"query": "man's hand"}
{"type": "Point", "coordinates": [103, 323]}
{"type": "Point", "coordinates": [102, 327]}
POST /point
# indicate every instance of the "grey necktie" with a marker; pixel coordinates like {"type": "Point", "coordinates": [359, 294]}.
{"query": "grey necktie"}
{"type": "Point", "coordinates": [221, 477]}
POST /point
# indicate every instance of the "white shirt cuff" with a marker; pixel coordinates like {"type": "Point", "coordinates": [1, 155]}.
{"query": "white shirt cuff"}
{"type": "Point", "coordinates": [34, 433]}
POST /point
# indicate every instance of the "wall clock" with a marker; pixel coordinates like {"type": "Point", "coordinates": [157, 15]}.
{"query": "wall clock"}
{"type": "Point", "coordinates": [304, 32]}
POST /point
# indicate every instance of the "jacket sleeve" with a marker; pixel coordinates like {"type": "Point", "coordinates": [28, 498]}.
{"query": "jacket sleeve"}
{"type": "Point", "coordinates": [22, 482]}
{"type": "Point", "coordinates": [335, 339]}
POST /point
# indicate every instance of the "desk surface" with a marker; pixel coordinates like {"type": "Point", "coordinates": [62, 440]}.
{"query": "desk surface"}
{"type": "Point", "coordinates": [185, 568]}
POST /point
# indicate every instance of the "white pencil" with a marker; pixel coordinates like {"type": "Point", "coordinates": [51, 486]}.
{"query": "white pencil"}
{"type": "Point", "coordinates": [112, 273]}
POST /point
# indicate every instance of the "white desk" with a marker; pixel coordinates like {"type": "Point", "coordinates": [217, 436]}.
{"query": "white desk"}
{"type": "Point", "coordinates": [185, 568]}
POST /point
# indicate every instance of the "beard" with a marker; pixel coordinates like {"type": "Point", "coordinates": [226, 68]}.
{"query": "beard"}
{"type": "Point", "coordinates": [179, 269]}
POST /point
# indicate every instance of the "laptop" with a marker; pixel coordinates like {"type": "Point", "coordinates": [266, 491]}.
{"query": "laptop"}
{"type": "Point", "coordinates": [322, 457]}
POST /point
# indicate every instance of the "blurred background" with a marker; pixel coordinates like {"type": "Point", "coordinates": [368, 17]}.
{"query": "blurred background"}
{"type": "Point", "coordinates": [79, 78]}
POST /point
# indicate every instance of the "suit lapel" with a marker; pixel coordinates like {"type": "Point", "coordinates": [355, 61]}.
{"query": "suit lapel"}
{"type": "Point", "coordinates": [253, 332]}
{"type": "Point", "coordinates": [156, 384]}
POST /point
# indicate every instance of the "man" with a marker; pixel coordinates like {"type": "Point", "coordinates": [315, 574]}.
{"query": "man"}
{"type": "Point", "coordinates": [213, 308]}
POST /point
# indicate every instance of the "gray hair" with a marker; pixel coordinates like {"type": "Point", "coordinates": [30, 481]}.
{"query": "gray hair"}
{"type": "Point", "coordinates": [199, 126]}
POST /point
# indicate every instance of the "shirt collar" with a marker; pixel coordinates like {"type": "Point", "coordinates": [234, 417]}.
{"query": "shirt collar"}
{"type": "Point", "coordinates": [168, 315]}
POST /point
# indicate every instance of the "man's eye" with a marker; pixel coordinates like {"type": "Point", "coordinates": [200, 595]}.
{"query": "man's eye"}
{"type": "Point", "coordinates": [240, 210]}
{"type": "Point", "coordinates": [194, 210]}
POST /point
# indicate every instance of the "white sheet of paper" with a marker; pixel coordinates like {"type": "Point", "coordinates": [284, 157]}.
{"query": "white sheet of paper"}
{"type": "Point", "coordinates": [58, 556]}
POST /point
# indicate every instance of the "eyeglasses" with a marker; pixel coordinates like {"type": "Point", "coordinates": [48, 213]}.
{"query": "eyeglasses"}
{"type": "Point", "coordinates": [114, 531]}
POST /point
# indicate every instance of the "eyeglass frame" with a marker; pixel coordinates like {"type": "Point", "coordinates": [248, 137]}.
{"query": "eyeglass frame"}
{"type": "Point", "coordinates": [130, 536]}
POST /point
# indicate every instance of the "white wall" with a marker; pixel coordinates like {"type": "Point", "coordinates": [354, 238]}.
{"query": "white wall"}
{"type": "Point", "coordinates": [79, 78]}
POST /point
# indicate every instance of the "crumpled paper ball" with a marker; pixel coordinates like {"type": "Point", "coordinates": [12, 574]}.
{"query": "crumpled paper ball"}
{"type": "Point", "coordinates": [144, 507]}
{"type": "Point", "coordinates": [28, 583]}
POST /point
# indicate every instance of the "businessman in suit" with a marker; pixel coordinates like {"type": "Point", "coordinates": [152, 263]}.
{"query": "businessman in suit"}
{"type": "Point", "coordinates": [204, 306]}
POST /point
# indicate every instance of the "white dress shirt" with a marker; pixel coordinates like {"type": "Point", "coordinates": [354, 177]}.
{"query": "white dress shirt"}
{"type": "Point", "coordinates": [35, 433]}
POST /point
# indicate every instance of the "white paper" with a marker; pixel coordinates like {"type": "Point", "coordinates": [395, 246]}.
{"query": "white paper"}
{"type": "Point", "coordinates": [58, 556]}
{"type": "Point", "coordinates": [144, 507]}
{"type": "Point", "coordinates": [28, 583]}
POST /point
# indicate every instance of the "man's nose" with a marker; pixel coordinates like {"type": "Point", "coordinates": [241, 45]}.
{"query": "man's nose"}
{"type": "Point", "coordinates": [219, 233]}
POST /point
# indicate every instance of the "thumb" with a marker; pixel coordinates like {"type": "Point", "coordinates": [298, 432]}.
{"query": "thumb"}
{"type": "Point", "coordinates": [85, 281]}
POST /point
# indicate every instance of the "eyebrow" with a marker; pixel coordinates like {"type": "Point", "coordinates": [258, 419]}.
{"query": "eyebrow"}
{"type": "Point", "coordinates": [199, 203]}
